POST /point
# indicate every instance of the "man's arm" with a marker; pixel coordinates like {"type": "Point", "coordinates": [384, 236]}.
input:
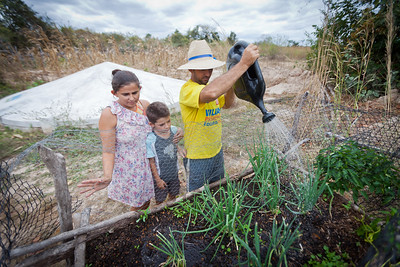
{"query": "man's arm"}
{"type": "Point", "coordinates": [223, 84]}
{"type": "Point", "coordinates": [229, 98]}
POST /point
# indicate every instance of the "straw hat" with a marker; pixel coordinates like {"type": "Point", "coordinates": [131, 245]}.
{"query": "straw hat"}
{"type": "Point", "coordinates": [200, 57]}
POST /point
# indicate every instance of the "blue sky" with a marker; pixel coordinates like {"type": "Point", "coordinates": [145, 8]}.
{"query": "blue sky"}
{"type": "Point", "coordinates": [251, 20]}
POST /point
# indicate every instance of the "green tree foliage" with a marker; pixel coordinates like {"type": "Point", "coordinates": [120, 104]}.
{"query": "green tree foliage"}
{"type": "Point", "coordinates": [15, 17]}
{"type": "Point", "coordinates": [232, 39]}
{"type": "Point", "coordinates": [204, 32]}
{"type": "Point", "coordinates": [178, 39]}
{"type": "Point", "coordinates": [293, 43]}
{"type": "Point", "coordinates": [358, 28]}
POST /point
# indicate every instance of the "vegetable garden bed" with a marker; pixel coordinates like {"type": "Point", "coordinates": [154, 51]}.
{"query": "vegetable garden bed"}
{"type": "Point", "coordinates": [325, 228]}
{"type": "Point", "coordinates": [274, 217]}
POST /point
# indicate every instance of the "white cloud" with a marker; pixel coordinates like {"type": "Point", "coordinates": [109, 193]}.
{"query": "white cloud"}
{"type": "Point", "coordinates": [249, 19]}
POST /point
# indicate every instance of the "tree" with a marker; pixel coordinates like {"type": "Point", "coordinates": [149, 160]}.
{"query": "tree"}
{"type": "Point", "coordinates": [204, 32]}
{"type": "Point", "coordinates": [232, 39]}
{"type": "Point", "coordinates": [293, 43]}
{"type": "Point", "coordinates": [359, 30]}
{"type": "Point", "coordinates": [15, 16]}
{"type": "Point", "coordinates": [178, 39]}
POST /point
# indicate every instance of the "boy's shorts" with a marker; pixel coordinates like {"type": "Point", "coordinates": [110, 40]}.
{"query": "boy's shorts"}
{"type": "Point", "coordinates": [172, 188]}
{"type": "Point", "coordinates": [201, 171]}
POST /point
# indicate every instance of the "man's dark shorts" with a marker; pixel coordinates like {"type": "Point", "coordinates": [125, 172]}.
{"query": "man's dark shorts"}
{"type": "Point", "coordinates": [201, 171]}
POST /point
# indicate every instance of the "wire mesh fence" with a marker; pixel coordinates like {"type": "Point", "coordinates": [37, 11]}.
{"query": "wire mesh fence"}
{"type": "Point", "coordinates": [27, 215]}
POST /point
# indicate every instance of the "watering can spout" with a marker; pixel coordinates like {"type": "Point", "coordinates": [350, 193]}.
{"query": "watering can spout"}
{"type": "Point", "coordinates": [250, 86]}
{"type": "Point", "coordinates": [267, 117]}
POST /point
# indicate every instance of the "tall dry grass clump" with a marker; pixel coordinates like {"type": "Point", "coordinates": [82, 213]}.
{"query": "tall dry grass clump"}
{"type": "Point", "coordinates": [48, 60]}
{"type": "Point", "coordinates": [280, 52]}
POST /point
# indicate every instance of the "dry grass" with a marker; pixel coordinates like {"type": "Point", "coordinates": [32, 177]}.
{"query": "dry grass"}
{"type": "Point", "coordinates": [48, 60]}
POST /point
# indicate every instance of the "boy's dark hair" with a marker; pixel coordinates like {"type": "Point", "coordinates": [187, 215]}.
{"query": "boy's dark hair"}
{"type": "Point", "coordinates": [157, 110]}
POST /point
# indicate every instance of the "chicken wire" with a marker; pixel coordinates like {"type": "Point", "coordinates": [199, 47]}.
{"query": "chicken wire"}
{"type": "Point", "coordinates": [26, 214]}
{"type": "Point", "coordinates": [311, 123]}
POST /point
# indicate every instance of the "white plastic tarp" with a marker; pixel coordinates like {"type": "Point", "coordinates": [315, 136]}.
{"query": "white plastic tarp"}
{"type": "Point", "coordinates": [78, 98]}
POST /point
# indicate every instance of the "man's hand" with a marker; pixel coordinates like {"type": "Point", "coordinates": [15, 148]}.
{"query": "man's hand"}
{"type": "Point", "coordinates": [250, 55]}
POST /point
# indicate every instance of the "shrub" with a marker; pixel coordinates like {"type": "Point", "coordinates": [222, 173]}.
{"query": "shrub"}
{"type": "Point", "coordinates": [351, 167]}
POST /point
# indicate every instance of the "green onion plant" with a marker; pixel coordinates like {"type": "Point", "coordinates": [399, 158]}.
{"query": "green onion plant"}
{"type": "Point", "coordinates": [170, 247]}
{"type": "Point", "coordinates": [281, 240]}
{"type": "Point", "coordinates": [267, 170]}
{"type": "Point", "coordinates": [225, 210]}
{"type": "Point", "coordinates": [307, 190]}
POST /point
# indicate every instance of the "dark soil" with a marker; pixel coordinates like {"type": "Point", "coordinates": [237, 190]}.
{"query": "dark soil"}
{"type": "Point", "coordinates": [131, 246]}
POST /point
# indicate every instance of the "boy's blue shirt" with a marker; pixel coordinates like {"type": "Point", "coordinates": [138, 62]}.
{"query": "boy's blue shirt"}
{"type": "Point", "coordinates": [150, 145]}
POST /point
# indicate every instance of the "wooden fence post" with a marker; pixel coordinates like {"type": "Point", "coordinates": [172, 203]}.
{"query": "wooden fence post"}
{"type": "Point", "coordinates": [55, 162]}
{"type": "Point", "coordinates": [80, 249]}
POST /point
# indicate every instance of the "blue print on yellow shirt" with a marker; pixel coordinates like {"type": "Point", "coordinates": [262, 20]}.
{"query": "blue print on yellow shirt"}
{"type": "Point", "coordinates": [212, 116]}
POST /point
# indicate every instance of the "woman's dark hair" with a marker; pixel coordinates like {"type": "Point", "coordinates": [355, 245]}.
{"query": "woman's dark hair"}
{"type": "Point", "coordinates": [157, 110]}
{"type": "Point", "coordinates": [122, 78]}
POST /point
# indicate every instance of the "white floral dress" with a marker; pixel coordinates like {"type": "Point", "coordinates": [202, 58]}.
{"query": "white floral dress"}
{"type": "Point", "coordinates": [132, 181]}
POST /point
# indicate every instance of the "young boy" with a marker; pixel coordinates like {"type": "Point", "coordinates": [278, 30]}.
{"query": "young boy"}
{"type": "Point", "coordinates": [162, 152]}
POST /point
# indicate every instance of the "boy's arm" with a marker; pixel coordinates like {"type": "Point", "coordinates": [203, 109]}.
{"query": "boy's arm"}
{"type": "Point", "coordinates": [160, 183]}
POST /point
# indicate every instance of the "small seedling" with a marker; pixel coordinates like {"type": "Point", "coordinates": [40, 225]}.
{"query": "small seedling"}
{"type": "Point", "coordinates": [143, 217]}
{"type": "Point", "coordinates": [347, 206]}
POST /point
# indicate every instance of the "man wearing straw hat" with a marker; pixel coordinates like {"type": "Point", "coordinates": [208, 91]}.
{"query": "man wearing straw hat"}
{"type": "Point", "coordinates": [201, 103]}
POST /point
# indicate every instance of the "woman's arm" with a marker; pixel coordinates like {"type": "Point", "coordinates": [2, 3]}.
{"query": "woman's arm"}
{"type": "Point", "coordinates": [107, 124]}
{"type": "Point", "coordinates": [145, 103]}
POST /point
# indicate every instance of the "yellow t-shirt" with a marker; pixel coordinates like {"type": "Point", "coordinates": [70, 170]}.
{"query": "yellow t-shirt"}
{"type": "Point", "coordinates": [202, 122]}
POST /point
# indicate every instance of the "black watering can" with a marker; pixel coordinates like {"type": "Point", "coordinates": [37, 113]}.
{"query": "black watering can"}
{"type": "Point", "coordinates": [250, 86]}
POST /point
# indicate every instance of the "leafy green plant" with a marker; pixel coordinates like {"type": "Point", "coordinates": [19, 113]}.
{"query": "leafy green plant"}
{"type": "Point", "coordinates": [347, 206]}
{"type": "Point", "coordinates": [170, 247]}
{"type": "Point", "coordinates": [178, 211]}
{"type": "Point", "coordinates": [351, 167]}
{"type": "Point", "coordinates": [370, 230]}
{"type": "Point", "coordinates": [329, 259]}
{"type": "Point", "coordinates": [143, 217]}
{"type": "Point", "coordinates": [226, 249]}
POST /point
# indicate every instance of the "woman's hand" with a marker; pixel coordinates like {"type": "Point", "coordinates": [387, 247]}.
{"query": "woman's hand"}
{"type": "Point", "coordinates": [178, 136]}
{"type": "Point", "coordinates": [94, 185]}
{"type": "Point", "coordinates": [182, 152]}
